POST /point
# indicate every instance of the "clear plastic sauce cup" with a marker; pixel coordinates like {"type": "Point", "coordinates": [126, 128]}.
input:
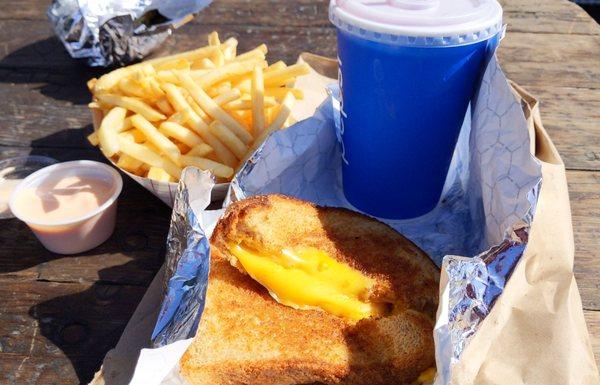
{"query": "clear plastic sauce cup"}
{"type": "Point", "coordinates": [70, 207]}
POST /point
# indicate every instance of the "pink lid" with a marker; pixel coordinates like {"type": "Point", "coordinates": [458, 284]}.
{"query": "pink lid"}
{"type": "Point", "coordinates": [426, 22]}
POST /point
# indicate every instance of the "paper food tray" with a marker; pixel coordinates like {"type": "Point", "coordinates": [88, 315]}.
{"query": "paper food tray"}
{"type": "Point", "coordinates": [166, 191]}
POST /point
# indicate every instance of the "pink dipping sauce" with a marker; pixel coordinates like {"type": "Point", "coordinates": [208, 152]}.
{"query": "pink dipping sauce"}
{"type": "Point", "coordinates": [70, 207]}
{"type": "Point", "coordinates": [62, 200]}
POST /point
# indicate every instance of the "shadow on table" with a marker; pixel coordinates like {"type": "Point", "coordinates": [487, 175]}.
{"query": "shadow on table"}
{"type": "Point", "coordinates": [85, 325]}
{"type": "Point", "coordinates": [46, 62]}
{"type": "Point", "coordinates": [24, 250]}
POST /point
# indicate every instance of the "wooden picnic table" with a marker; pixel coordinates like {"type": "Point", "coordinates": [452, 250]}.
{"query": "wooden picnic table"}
{"type": "Point", "coordinates": [60, 314]}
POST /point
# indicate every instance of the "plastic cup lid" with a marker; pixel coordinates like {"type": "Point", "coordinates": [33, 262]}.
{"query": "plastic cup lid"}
{"type": "Point", "coordinates": [419, 22]}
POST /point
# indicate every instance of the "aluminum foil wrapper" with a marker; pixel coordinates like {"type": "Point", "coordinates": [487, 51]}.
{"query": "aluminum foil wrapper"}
{"type": "Point", "coordinates": [479, 230]}
{"type": "Point", "coordinates": [187, 261]}
{"type": "Point", "coordinates": [112, 32]}
{"type": "Point", "coordinates": [477, 234]}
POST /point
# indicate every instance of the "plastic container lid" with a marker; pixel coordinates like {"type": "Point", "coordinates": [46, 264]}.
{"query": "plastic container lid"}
{"type": "Point", "coordinates": [81, 168]}
{"type": "Point", "coordinates": [13, 171]}
{"type": "Point", "coordinates": [418, 22]}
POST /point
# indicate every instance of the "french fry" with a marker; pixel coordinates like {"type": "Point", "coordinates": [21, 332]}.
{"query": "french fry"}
{"type": "Point", "coordinates": [107, 135]}
{"type": "Point", "coordinates": [218, 58]}
{"type": "Point", "coordinates": [206, 63]}
{"type": "Point", "coordinates": [280, 92]}
{"type": "Point", "coordinates": [125, 126]}
{"type": "Point", "coordinates": [155, 87]}
{"type": "Point", "coordinates": [228, 138]}
{"type": "Point", "coordinates": [146, 69]}
{"type": "Point", "coordinates": [228, 70]}
{"type": "Point", "coordinates": [216, 168]}
{"type": "Point", "coordinates": [213, 39]}
{"type": "Point", "coordinates": [132, 104]}
{"type": "Point", "coordinates": [209, 104]}
{"type": "Point", "coordinates": [199, 73]}
{"type": "Point", "coordinates": [198, 125]}
{"type": "Point", "coordinates": [220, 88]}
{"type": "Point", "coordinates": [143, 153]}
{"type": "Point", "coordinates": [156, 138]}
{"type": "Point", "coordinates": [280, 77]}
{"type": "Point", "coordinates": [177, 64]}
{"type": "Point", "coordinates": [134, 135]}
{"type": "Point", "coordinates": [182, 134]}
{"type": "Point", "coordinates": [182, 147]}
{"type": "Point", "coordinates": [167, 77]}
{"type": "Point", "coordinates": [199, 111]}
{"type": "Point", "coordinates": [200, 150]}
{"type": "Point", "coordinates": [228, 53]}
{"type": "Point", "coordinates": [212, 109]}
{"type": "Point", "coordinates": [108, 81]}
{"type": "Point", "coordinates": [276, 66]}
{"type": "Point", "coordinates": [93, 139]}
{"type": "Point", "coordinates": [258, 101]}
{"type": "Point", "coordinates": [132, 88]}
{"type": "Point", "coordinates": [280, 118]}
{"type": "Point", "coordinates": [230, 48]}
{"type": "Point", "coordinates": [242, 104]}
{"type": "Point", "coordinates": [128, 163]}
{"type": "Point", "coordinates": [283, 112]}
{"type": "Point", "coordinates": [164, 106]}
{"type": "Point", "coordinates": [180, 102]}
{"type": "Point", "coordinates": [227, 96]}
{"type": "Point", "coordinates": [159, 174]}
{"type": "Point", "coordinates": [91, 84]}
{"type": "Point", "coordinates": [244, 85]}
{"type": "Point", "coordinates": [258, 52]}
{"type": "Point", "coordinates": [180, 117]}
{"type": "Point", "coordinates": [193, 55]}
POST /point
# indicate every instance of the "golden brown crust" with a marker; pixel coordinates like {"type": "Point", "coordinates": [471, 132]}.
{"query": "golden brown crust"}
{"type": "Point", "coordinates": [245, 337]}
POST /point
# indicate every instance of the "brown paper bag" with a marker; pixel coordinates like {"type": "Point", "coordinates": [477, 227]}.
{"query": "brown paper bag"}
{"type": "Point", "coordinates": [535, 333]}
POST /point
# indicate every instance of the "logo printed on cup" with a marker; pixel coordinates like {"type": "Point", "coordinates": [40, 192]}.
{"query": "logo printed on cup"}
{"type": "Point", "coordinates": [342, 112]}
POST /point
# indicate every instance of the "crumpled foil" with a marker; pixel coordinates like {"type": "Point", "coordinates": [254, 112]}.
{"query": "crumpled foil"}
{"type": "Point", "coordinates": [479, 230]}
{"type": "Point", "coordinates": [187, 261]}
{"type": "Point", "coordinates": [112, 32]}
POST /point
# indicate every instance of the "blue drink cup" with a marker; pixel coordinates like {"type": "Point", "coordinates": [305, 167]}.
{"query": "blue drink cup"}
{"type": "Point", "coordinates": [408, 70]}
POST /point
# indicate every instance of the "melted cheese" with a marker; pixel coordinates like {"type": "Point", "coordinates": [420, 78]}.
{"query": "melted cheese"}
{"type": "Point", "coordinates": [309, 278]}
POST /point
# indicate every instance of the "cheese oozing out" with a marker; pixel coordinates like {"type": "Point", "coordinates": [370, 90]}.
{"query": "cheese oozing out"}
{"type": "Point", "coordinates": [308, 278]}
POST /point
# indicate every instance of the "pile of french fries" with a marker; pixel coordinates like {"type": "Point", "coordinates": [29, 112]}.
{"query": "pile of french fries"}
{"type": "Point", "coordinates": [209, 108]}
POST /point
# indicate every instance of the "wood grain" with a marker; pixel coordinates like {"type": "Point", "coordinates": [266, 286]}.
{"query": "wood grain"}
{"type": "Point", "coordinates": [59, 315]}
{"type": "Point", "coordinates": [584, 191]}
{"type": "Point", "coordinates": [58, 332]}
{"type": "Point", "coordinates": [592, 319]}
{"type": "Point", "coordinates": [520, 15]}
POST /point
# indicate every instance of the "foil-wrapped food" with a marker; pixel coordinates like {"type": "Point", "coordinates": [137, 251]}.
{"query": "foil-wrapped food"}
{"type": "Point", "coordinates": [114, 33]}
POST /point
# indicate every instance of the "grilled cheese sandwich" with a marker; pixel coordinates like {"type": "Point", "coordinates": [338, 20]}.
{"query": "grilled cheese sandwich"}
{"type": "Point", "coordinates": [300, 294]}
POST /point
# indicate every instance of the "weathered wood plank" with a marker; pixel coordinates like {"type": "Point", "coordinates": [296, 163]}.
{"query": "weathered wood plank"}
{"type": "Point", "coordinates": [59, 333]}
{"type": "Point", "coordinates": [132, 255]}
{"type": "Point", "coordinates": [561, 16]}
{"type": "Point", "coordinates": [571, 116]}
{"type": "Point", "coordinates": [521, 16]}
{"type": "Point", "coordinates": [584, 190]}
{"type": "Point", "coordinates": [31, 118]}
{"type": "Point", "coordinates": [38, 103]}
{"type": "Point", "coordinates": [592, 319]}
{"type": "Point", "coordinates": [570, 61]}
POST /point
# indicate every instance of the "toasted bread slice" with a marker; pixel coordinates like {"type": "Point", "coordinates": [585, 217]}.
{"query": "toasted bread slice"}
{"type": "Point", "coordinates": [246, 337]}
